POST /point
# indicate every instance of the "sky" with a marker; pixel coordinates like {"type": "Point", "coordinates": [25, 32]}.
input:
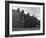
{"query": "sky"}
{"type": "Point", "coordinates": [31, 10]}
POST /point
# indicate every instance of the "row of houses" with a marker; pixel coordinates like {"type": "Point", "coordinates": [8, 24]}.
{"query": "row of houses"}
{"type": "Point", "coordinates": [21, 20]}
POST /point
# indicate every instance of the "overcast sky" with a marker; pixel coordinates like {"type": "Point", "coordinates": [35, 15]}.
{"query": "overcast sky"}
{"type": "Point", "coordinates": [31, 10]}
